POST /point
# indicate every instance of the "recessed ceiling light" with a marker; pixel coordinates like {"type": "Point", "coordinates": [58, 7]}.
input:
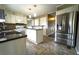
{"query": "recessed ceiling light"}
{"type": "Point", "coordinates": [29, 8]}
{"type": "Point", "coordinates": [35, 5]}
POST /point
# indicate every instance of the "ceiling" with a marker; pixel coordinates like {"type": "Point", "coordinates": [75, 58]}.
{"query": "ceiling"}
{"type": "Point", "coordinates": [40, 9]}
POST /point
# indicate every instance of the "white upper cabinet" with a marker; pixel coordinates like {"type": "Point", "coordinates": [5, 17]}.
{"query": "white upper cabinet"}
{"type": "Point", "coordinates": [14, 18]}
{"type": "Point", "coordinates": [21, 19]}
{"type": "Point", "coordinates": [33, 22]}
{"type": "Point", "coordinates": [18, 19]}
{"type": "Point", "coordinates": [37, 21]}
{"type": "Point", "coordinates": [44, 22]}
{"type": "Point", "coordinates": [25, 20]}
{"type": "Point", "coordinates": [10, 18]}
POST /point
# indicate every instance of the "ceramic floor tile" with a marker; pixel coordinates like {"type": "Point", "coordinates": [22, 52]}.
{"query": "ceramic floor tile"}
{"type": "Point", "coordinates": [48, 47]}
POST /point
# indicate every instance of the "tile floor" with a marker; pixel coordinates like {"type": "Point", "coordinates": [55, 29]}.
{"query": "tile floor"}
{"type": "Point", "coordinates": [48, 47]}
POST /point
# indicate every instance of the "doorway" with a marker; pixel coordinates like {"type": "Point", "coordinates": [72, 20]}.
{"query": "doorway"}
{"type": "Point", "coordinates": [51, 25]}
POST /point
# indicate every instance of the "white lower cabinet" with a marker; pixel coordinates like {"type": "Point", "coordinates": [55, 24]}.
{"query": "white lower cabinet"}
{"type": "Point", "coordinates": [35, 35]}
{"type": "Point", "coordinates": [14, 47]}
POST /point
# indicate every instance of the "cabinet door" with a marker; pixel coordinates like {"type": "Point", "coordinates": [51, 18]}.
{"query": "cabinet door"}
{"type": "Point", "coordinates": [21, 19]}
{"type": "Point", "coordinates": [44, 22]}
{"type": "Point", "coordinates": [8, 18]}
{"type": "Point", "coordinates": [18, 19]}
{"type": "Point", "coordinates": [36, 22]}
{"type": "Point", "coordinates": [33, 22]}
{"type": "Point", "coordinates": [15, 47]}
{"type": "Point", "coordinates": [13, 18]}
{"type": "Point", "coordinates": [25, 20]}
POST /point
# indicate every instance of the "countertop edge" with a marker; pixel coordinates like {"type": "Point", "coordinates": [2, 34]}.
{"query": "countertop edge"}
{"type": "Point", "coordinates": [13, 39]}
{"type": "Point", "coordinates": [34, 29]}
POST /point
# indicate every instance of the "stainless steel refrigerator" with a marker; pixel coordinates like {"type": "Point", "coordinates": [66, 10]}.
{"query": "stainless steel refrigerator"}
{"type": "Point", "coordinates": [66, 28]}
{"type": "Point", "coordinates": [77, 37]}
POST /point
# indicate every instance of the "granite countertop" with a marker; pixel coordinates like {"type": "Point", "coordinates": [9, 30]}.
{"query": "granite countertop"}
{"type": "Point", "coordinates": [8, 36]}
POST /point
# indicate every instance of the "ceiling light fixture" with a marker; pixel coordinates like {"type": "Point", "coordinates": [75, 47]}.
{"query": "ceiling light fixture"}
{"type": "Point", "coordinates": [35, 14]}
{"type": "Point", "coordinates": [30, 16]}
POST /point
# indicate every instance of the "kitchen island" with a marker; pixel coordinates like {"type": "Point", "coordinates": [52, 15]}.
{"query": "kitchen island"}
{"type": "Point", "coordinates": [35, 35]}
{"type": "Point", "coordinates": [12, 43]}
